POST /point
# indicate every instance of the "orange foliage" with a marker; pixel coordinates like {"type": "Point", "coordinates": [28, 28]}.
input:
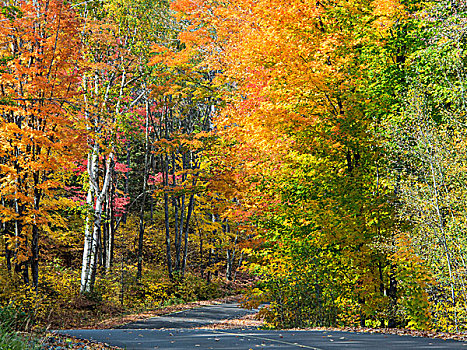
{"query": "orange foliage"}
{"type": "Point", "coordinates": [39, 138]}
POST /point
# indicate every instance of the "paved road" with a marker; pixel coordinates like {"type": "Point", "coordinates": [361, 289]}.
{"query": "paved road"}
{"type": "Point", "coordinates": [197, 317]}
{"type": "Point", "coordinates": [155, 334]}
{"type": "Point", "coordinates": [247, 339]}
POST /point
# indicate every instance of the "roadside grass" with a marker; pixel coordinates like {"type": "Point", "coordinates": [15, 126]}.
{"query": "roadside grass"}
{"type": "Point", "coordinates": [11, 341]}
{"type": "Point", "coordinates": [13, 325]}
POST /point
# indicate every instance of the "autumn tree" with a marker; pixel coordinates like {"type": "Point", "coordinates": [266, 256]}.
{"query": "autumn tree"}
{"type": "Point", "coordinates": [298, 123]}
{"type": "Point", "coordinates": [40, 137]}
{"type": "Point", "coordinates": [186, 100]}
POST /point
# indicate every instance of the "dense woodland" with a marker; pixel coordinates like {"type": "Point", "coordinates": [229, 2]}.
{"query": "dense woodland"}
{"type": "Point", "coordinates": [154, 152]}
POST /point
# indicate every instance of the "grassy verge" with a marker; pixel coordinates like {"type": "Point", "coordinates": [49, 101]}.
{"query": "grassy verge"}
{"type": "Point", "coordinates": [11, 341]}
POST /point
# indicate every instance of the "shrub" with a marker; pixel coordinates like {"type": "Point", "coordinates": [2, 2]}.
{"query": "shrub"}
{"type": "Point", "coordinates": [11, 319]}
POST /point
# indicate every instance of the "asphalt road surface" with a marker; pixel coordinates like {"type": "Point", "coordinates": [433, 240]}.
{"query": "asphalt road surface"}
{"type": "Point", "coordinates": [173, 332]}
{"type": "Point", "coordinates": [197, 317]}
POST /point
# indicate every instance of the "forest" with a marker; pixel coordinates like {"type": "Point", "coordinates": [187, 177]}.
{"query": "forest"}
{"type": "Point", "coordinates": [309, 154]}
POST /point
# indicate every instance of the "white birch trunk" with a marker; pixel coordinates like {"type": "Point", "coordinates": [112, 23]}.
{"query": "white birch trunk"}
{"type": "Point", "coordinates": [87, 246]}
{"type": "Point", "coordinates": [91, 241]}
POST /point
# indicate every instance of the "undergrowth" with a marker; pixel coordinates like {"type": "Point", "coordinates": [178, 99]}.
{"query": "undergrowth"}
{"type": "Point", "coordinates": [10, 320]}
{"type": "Point", "coordinates": [58, 304]}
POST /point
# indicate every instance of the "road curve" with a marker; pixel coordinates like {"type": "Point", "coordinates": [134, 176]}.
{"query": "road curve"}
{"type": "Point", "coordinates": [172, 332]}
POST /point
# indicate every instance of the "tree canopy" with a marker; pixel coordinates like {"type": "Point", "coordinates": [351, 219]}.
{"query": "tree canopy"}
{"type": "Point", "coordinates": [150, 149]}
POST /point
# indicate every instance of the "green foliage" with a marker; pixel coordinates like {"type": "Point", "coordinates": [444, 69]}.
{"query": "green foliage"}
{"type": "Point", "coordinates": [11, 319]}
{"type": "Point", "coordinates": [10, 341]}
{"type": "Point", "coordinates": [425, 143]}
{"type": "Point", "coordinates": [11, 12]}
{"type": "Point", "coordinates": [297, 300]}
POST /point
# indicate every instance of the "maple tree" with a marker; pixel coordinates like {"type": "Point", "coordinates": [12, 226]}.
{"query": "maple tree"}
{"type": "Point", "coordinates": [40, 135]}
{"type": "Point", "coordinates": [300, 131]}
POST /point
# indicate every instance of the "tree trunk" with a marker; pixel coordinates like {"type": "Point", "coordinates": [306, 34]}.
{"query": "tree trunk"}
{"type": "Point", "coordinates": [111, 222]}
{"type": "Point", "coordinates": [230, 259]}
{"type": "Point", "coordinates": [35, 238]}
{"type": "Point", "coordinates": [8, 254]}
{"type": "Point", "coordinates": [167, 235]}
{"type": "Point", "coordinates": [201, 261]}
{"type": "Point", "coordinates": [127, 180]}
{"type": "Point", "coordinates": [392, 294]}
{"type": "Point", "coordinates": [191, 205]}
{"type": "Point", "coordinates": [6, 242]}
{"type": "Point", "coordinates": [177, 239]}
{"type": "Point", "coordinates": [88, 243]}
{"type": "Point", "coordinates": [240, 260]}
{"type": "Point", "coordinates": [96, 240]}
{"type": "Point", "coordinates": [91, 241]}
{"type": "Point", "coordinates": [143, 201]}
{"type": "Point", "coordinates": [105, 233]}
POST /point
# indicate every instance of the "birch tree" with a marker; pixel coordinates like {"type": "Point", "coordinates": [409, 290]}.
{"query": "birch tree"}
{"type": "Point", "coordinates": [115, 85]}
